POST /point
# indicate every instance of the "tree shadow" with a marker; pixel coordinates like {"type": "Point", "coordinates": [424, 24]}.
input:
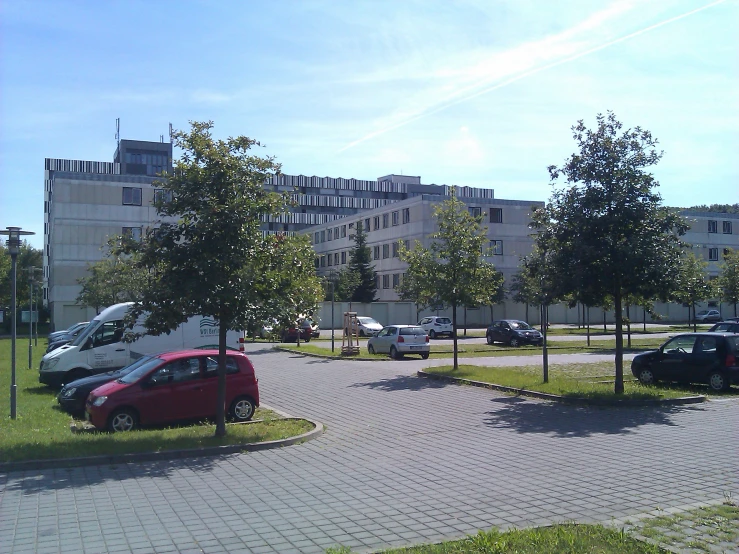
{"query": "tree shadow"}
{"type": "Point", "coordinates": [403, 382]}
{"type": "Point", "coordinates": [568, 421]}
{"type": "Point", "coordinates": [40, 390]}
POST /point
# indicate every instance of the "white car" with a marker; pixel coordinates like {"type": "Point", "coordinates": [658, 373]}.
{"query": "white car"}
{"type": "Point", "coordinates": [436, 325]}
{"type": "Point", "coordinates": [708, 315]}
{"type": "Point", "coordinates": [398, 340]}
{"type": "Point", "coordinates": [368, 327]}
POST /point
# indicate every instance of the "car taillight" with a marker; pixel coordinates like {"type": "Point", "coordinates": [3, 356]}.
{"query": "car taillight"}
{"type": "Point", "coordinates": [427, 338]}
{"type": "Point", "coordinates": [730, 360]}
{"type": "Point", "coordinates": [401, 339]}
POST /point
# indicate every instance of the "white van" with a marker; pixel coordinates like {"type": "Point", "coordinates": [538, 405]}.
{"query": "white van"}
{"type": "Point", "coordinates": [99, 348]}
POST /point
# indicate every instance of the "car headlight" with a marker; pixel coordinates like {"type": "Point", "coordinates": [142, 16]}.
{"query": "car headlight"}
{"type": "Point", "coordinates": [50, 364]}
{"type": "Point", "coordinates": [99, 400]}
{"type": "Point", "coordinates": [66, 393]}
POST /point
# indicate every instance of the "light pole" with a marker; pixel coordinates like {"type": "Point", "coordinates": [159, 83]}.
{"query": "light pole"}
{"type": "Point", "coordinates": [14, 244]}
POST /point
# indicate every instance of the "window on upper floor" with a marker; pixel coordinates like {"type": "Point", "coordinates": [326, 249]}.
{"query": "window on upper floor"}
{"type": "Point", "coordinates": [385, 220]}
{"type": "Point", "coordinates": [713, 254]}
{"type": "Point", "coordinates": [343, 231]}
{"type": "Point", "coordinates": [343, 257]}
{"type": "Point", "coordinates": [385, 251]}
{"type": "Point", "coordinates": [496, 247]}
{"type": "Point", "coordinates": [366, 225]}
{"type": "Point", "coordinates": [323, 261]}
{"type": "Point", "coordinates": [131, 196]}
{"type": "Point", "coordinates": [133, 232]}
{"type": "Point", "coordinates": [727, 227]}
{"type": "Point", "coordinates": [475, 211]}
{"type": "Point", "coordinates": [406, 215]}
{"type": "Point", "coordinates": [162, 196]}
{"type": "Point", "coordinates": [396, 279]}
{"type": "Point", "coordinates": [712, 226]}
{"type": "Point", "coordinates": [330, 260]}
{"type": "Point", "coordinates": [496, 215]}
{"type": "Point", "coordinates": [330, 234]}
{"type": "Point", "coordinates": [396, 218]}
{"type": "Point", "coordinates": [395, 250]}
{"type": "Point", "coordinates": [317, 238]}
{"type": "Point", "coordinates": [386, 281]}
{"type": "Point", "coordinates": [376, 252]}
{"type": "Point", "coordinates": [376, 222]}
{"type": "Point", "coordinates": [323, 236]}
{"type": "Point", "coordinates": [336, 258]}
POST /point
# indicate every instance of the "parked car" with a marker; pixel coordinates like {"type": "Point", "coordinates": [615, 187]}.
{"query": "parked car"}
{"type": "Point", "coordinates": [732, 319]}
{"type": "Point", "coordinates": [368, 327]}
{"type": "Point", "coordinates": [435, 326]}
{"type": "Point", "coordinates": [267, 328]}
{"type": "Point", "coordinates": [76, 328]}
{"type": "Point", "coordinates": [308, 323]}
{"type": "Point", "coordinates": [513, 332]}
{"type": "Point", "coordinates": [706, 316]}
{"type": "Point", "coordinates": [691, 358]}
{"type": "Point", "coordinates": [72, 396]}
{"type": "Point", "coordinates": [398, 340]}
{"type": "Point", "coordinates": [174, 386]}
{"type": "Point", "coordinates": [290, 334]}
{"type": "Point", "coordinates": [725, 327]}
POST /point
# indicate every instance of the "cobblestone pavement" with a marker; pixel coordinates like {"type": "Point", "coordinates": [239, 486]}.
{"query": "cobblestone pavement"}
{"type": "Point", "coordinates": [403, 460]}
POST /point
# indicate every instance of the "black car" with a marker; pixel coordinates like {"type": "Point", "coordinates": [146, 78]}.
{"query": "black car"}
{"type": "Point", "coordinates": [65, 337]}
{"type": "Point", "coordinates": [725, 327]}
{"type": "Point", "coordinates": [73, 395]}
{"type": "Point", "coordinates": [691, 358]}
{"type": "Point", "coordinates": [513, 332]}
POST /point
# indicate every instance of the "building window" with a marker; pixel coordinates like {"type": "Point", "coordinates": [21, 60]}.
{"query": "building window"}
{"type": "Point", "coordinates": [343, 231]}
{"type": "Point", "coordinates": [323, 236]}
{"type": "Point", "coordinates": [162, 196]}
{"type": "Point", "coordinates": [727, 227]}
{"type": "Point", "coordinates": [131, 196]}
{"type": "Point", "coordinates": [133, 232]}
{"type": "Point", "coordinates": [496, 215]}
{"type": "Point", "coordinates": [475, 211]}
{"type": "Point", "coordinates": [318, 262]}
{"type": "Point", "coordinates": [396, 218]}
{"type": "Point", "coordinates": [343, 257]}
{"type": "Point", "coordinates": [366, 225]}
{"type": "Point", "coordinates": [376, 252]}
{"type": "Point", "coordinates": [323, 261]}
{"type": "Point", "coordinates": [386, 281]}
{"type": "Point", "coordinates": [496, 247]}
{"type": "Point", "coordinates": [406, 215]}
{"type": "Point", "coordinates": [376, 222]}
{"type": "Point", "coordinates": [407, 244]}
{"type": "Point", "coordinates": [395, 250]}
{"type": "Point", "coordinates": [396, 280]}
{"type": "Point", "coordinates": [377, 281]}
{"type": "Point", "coordinates": [330, 234]}
{"type": "Point", "coordinates": [712, 226]}
{"type": "Point", "coordinates": [330, 260]}
{"type": "Point", "coordinates": [317, 238]}
{"type": "Point", "coordinates": [713, 254]}
{"type": "Point", "coordinates": [385, 251]}
{"type": "Point", "coordinates": [336, 233]}
{"type": "Point", "coordinates": [385, 220]}
{"type": "Point", "coordinates": [336, 258]}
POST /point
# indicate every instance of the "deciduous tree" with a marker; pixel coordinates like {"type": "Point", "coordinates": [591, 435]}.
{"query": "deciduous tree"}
{"type": "Point", "coordinates": [693, 284]}
{"type": "Point", "coordinates": [729, 278]}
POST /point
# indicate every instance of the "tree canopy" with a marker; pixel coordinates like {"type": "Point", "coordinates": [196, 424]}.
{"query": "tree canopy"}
{"type": "Point", "coordinates": [208, 256]}
{"type": "Point", "coordinates": [728, 281]}
{"type": "Point", "coordinates": [451, 271]}
{"type": "Point", "coordinates": [606, 234]}
{"type": "Point", "coordinates": [693, 284]}
{"type": "Point", "coordinates": [362, 268]}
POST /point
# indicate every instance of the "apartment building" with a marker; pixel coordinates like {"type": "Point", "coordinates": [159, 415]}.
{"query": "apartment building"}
{"type": "Point", "coordinates": [712, 235]}
{"type": "Point", "coordinates": [412, 220]}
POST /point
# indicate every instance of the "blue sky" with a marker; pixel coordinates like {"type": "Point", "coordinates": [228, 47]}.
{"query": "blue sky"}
{"type": "Point", "coordinates": [478, 93]}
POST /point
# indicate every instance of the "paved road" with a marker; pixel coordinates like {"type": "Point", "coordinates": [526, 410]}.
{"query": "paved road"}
{"type": "Point", "coordinates": [403, 460]}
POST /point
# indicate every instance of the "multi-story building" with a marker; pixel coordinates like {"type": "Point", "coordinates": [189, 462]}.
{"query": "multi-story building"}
{"type": "Point", "coordinates": [411, 220]}
{"type": "Point", "coordinates": [712, 235]}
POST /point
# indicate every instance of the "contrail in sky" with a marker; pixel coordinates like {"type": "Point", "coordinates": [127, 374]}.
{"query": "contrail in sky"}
{"type": "Point", "coordinates": [523, 75]}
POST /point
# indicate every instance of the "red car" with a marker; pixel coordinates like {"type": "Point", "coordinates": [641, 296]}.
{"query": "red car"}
{"type": "Point", "coordinates": [174, 386]}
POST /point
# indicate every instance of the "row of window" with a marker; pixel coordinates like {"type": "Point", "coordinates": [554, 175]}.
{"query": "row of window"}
{"type": "Point", "coordinates": [713, 254]}
{"type": "Point", "coordinates": [384, 280]}
{"type": "Point", "coordinates": [132, 196]}
{"type": "Point", "coordinates": [713, 227]}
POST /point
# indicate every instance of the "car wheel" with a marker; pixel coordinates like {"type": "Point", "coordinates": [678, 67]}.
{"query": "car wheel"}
{"type": "Point", "coordinates": [371, 349]}
{"type": "Point", "coordinates": [646, 377]}
{"type": "Point", "coordinates": [242, 409]}
{"type": "Point", "coordinates": [718, 381]}
{"type": "Point", "coordinates": [432, 334]}
{"type": "Point", "coordinates": [514, 342]}
{"type": "Point", "coordinates": [122, 420]}
{"type": "Point", "coordinates": [490, 340]}
{"type": "Point", "coordinates": [425, 356]}
{"type": "Point", "coordinates": [394, 354]}
{"type": "Point", "coordinates": [74, 374]}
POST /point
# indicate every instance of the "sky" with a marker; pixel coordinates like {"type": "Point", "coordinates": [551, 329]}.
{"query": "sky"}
{"type": "Point", "coordinates": [470, 93]}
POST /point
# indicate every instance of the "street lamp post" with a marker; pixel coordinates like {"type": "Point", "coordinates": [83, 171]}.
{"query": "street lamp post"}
{"type": "Point", "coordinates": [14, 243]}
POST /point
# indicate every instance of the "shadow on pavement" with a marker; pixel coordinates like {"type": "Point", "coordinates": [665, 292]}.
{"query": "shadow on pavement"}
{"type": "Point", "coordinates": [403, 382]}
{"type": "Point", "coordinates": [526, 416]}
{"type": "Point", "coordinates": [73, 477]}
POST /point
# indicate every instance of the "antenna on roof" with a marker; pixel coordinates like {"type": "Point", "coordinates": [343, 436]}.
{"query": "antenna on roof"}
{"type": "Point", "coordinates": [118, 132]}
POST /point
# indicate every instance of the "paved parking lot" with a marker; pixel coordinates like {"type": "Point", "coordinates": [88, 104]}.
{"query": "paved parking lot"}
{"type": "Point", "coordinates": [403, 460]}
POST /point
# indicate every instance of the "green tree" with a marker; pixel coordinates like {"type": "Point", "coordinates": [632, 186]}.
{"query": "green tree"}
{"type": "Point", "coordinates": [606, 235]}
{"type": "Point", "coordinates": [693, 283]}
{"type": "Point", "coordinates": [345, 282]}
{"type": "Point", "coordinates": [728, 281]}
{"type": "Point", "coordinates": [451, 270]}
{"type": "Point", "coordinates": [116, 278]}
{"type": "Point", "coordinates": [28, 256]}
{"type": "Point", "coordinates": [360, 264]}
{"type": "Point", "coordinates": [209, 257]}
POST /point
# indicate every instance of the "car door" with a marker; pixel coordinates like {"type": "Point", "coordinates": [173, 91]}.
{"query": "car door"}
{"type": "Point", "coordinates": [107, 352]}
{"type": "Point", "coordinates": [209, 396]}
{"type": "Point", "coordinates": [675, 359]}
{"type": "Point", "coordinates": [173, 392]}
{"type": "Point", "coordinates": [707, 353]}
{"type": "Point", "coordinates": [380, 342]}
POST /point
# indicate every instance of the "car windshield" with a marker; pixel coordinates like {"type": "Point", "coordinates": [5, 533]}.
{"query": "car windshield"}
{"type": "Point", "coordinates": [82, 337]}
{"type": "Point", "coordinates": [131, 367]}
{"type": "Point", "coordinates": [519, 325]}
{"type": "Point", "coordinates": [367, 321]}
{"type": "Point", "coordinates": [412, 331]}
{"type": "Point", "coordinates": [140, 371]}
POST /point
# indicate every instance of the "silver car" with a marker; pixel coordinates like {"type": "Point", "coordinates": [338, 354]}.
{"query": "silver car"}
{"type": "Point", "coordinates": [398, 340]}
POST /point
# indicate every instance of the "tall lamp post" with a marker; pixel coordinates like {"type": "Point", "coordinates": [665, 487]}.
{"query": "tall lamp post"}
{"type": "Point", "coordinates": [14, 244]}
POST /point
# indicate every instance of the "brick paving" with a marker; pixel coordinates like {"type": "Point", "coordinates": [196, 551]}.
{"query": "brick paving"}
{"type": "Point", "coordinates": [403, 460]}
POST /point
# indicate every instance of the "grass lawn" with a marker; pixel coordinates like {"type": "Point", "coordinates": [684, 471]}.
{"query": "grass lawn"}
{"type": "Point", "coordinates": [558, 539]}
{"type": "Point", "coordinates": [42, 430]}
{"type": "Point", "coordinates": [590, 380]}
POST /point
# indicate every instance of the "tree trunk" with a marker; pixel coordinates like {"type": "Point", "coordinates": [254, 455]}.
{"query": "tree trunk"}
{"type": "Point", "coordinates": [221, 398]}
{"type": "Point", "coordinates": [695, 323]}
{"type": "Point", "coordinates": [628, 324]}
{"type": "Point", "coordinates": [604, 322]}
{"type": "Point", "coordinates": [619, 384]}
{"type": "Point", "coordinates": [454, 328]}
{"type": "Point", "coordinates": [465, 321]}
{"type": "Point", "coordinates": [644, 318]}
{"type": "Point", "coordinates": [527, 312]}
{"type": "Point", "coordinates": [587, 319]}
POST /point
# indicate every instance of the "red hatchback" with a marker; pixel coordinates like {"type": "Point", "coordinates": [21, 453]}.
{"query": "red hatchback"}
{"type": "Point", "coordinates": [174, 386]}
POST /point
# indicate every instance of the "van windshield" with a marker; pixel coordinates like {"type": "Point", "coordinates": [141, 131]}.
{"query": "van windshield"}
{"type": "Point", "coordinates": [82, 337]}
{"type": "Point", "coordinates": [140, 371]}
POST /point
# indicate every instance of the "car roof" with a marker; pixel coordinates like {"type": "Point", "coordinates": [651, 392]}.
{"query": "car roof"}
{"type": "Point", "coordinates": [177, 354]}
{"type": "Point", "coordinates": [401, 325]}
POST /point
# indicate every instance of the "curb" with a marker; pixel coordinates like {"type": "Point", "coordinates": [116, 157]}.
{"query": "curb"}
{"type": "Point", "coordinates": [566, 399]}
{"type": "Point", "coordinates": [57, 463]}
{"type": "Point", "coordinates": [323, 356]}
